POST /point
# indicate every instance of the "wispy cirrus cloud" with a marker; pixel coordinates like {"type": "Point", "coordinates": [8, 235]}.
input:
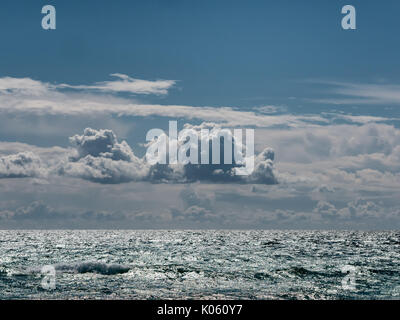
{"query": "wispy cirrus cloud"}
{"type": "Point", "coordinates": [122, 83]}
{"type": "Point", "coordinates": [24, 86]}
{"type": "Point", "coordinates": [125, 83]}
{"type": "Point", "coordinates": [24, 95]}
{"type": "Point", "coordinates": [359, 93]}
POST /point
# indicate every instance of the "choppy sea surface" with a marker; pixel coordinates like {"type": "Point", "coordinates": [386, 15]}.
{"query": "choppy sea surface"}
{"type": "Point", "coordinates": [200, 265]}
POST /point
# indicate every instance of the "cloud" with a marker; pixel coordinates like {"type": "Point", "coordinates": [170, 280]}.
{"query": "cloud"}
{"type": "Point", "coordinates": [195, 213]}
{"type": "Point", "coordinates": [325, 208]}
{"type": "Point", "coordinates": [196, 208]}
{"type": "Point", "coordinates": [24, 95]}
{"type": "Point", "coordinates": [99, 157]}
{"type": "Point", "coordinates": [361, 93]}
{"type": "Point", "coordinates": [124, 83]}
{"type": "Point", "coordinates": [264, 168]}
{"type": "Point", "coordinates": [102, 216]}
{"type": "Point", "coordinates": [8, 148]}
{"type": "Point", "coordinates": [36, 210]}
{"type": "Point", "coordinates": [21, 165]}
{"type": "Point", "coordinates": [101, 143]}
{"type": "Point", "coordinates": [127, 84]}
{"type": "Point", "coordinates": [329, 174]}
{"type": "Point", "coordinates": [219, 173]}
{"type": "Point", "coordinates": [367, 156]}
{"type": "Point", "coordinates": [270, 109]}
{"type": "Point", "coordinates": [340, 157]}
{"type": "Point", "coordinates": [23, 86]}
{"type": "Point", "coordinates": [192, 198]}
{"type": "Point", "coordinates": [362, 208]}
{"type": "Point", "coordinates": [38, 214]}
{"type": "Point", "coordinates": [102, 170]}
{"type": "Point", "coordinates": [310, 145]}
{"type": "Point", "coordinates": [356, 209]}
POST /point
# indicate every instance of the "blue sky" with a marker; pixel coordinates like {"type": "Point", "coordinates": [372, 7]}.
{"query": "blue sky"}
{"type": "Point", "coordinates": [222, 52]}
{"type": "Point", "coordinates": [324, 99]}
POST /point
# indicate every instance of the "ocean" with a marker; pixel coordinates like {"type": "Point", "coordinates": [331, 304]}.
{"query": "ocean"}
{"type": "Point", "coordinates": [105, 264]}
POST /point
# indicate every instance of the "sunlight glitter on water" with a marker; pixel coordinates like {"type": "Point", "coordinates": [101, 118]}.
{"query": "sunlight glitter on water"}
{"type": "Point", "coordinates": [200, 264]}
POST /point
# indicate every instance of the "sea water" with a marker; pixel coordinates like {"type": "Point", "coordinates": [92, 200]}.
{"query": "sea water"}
{"type": "Point", "coordinates": [104, 264]}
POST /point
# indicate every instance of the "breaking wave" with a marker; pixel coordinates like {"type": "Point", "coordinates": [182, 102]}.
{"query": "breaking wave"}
{"type": "Point", "coordinates": [86, 267]}
{"type": "Point", "coordinates": [93, 267]}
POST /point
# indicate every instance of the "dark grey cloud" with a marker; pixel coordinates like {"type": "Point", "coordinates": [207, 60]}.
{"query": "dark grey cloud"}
{"type": "Point", "coordinates": [103, 216]}
{"type": "Point", "coordinates": [40, 215]}
{"type": "Point", "coordinates": [37, 210]}
{"type": "Point", "coordinates": [197, 208]}
{"type": "Point", "coordinates": [191, 198]}
{"type": "Point", "coordinates": [99, 157]}
{"type": "Point", "coordinates": [264, 172]}
{"type": "Point", "coordinates": [340, 187]}
{"type": "Point", "coordinates": [359, 208]}
{"type": "Point", "coordinates": [195, 213]}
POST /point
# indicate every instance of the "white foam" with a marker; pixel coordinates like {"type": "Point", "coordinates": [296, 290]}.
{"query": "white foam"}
{"type": "Point", "coordinates": [93, 267]}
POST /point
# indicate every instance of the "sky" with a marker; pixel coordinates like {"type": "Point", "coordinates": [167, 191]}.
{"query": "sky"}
{"type": "Point", "coordinates": [77, 102]}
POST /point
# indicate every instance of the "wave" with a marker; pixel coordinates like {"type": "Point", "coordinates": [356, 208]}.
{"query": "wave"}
{"type": "Point", "coordinates": [93, 267]}
{"type": "Point", "coordinates": [303, 272]}
{"type": "Point", "coordinates": [385, 272]}
{"type": "Point", "coordinates": [82, 267]}
{"type": "Point", "coordinates": [262, 275]}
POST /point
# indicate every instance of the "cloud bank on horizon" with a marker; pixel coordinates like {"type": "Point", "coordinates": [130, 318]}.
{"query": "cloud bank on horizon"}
{"type": "Point", "coordinates": [326, 170]}
{"type": "Point", "coordinates": [99, 157]}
